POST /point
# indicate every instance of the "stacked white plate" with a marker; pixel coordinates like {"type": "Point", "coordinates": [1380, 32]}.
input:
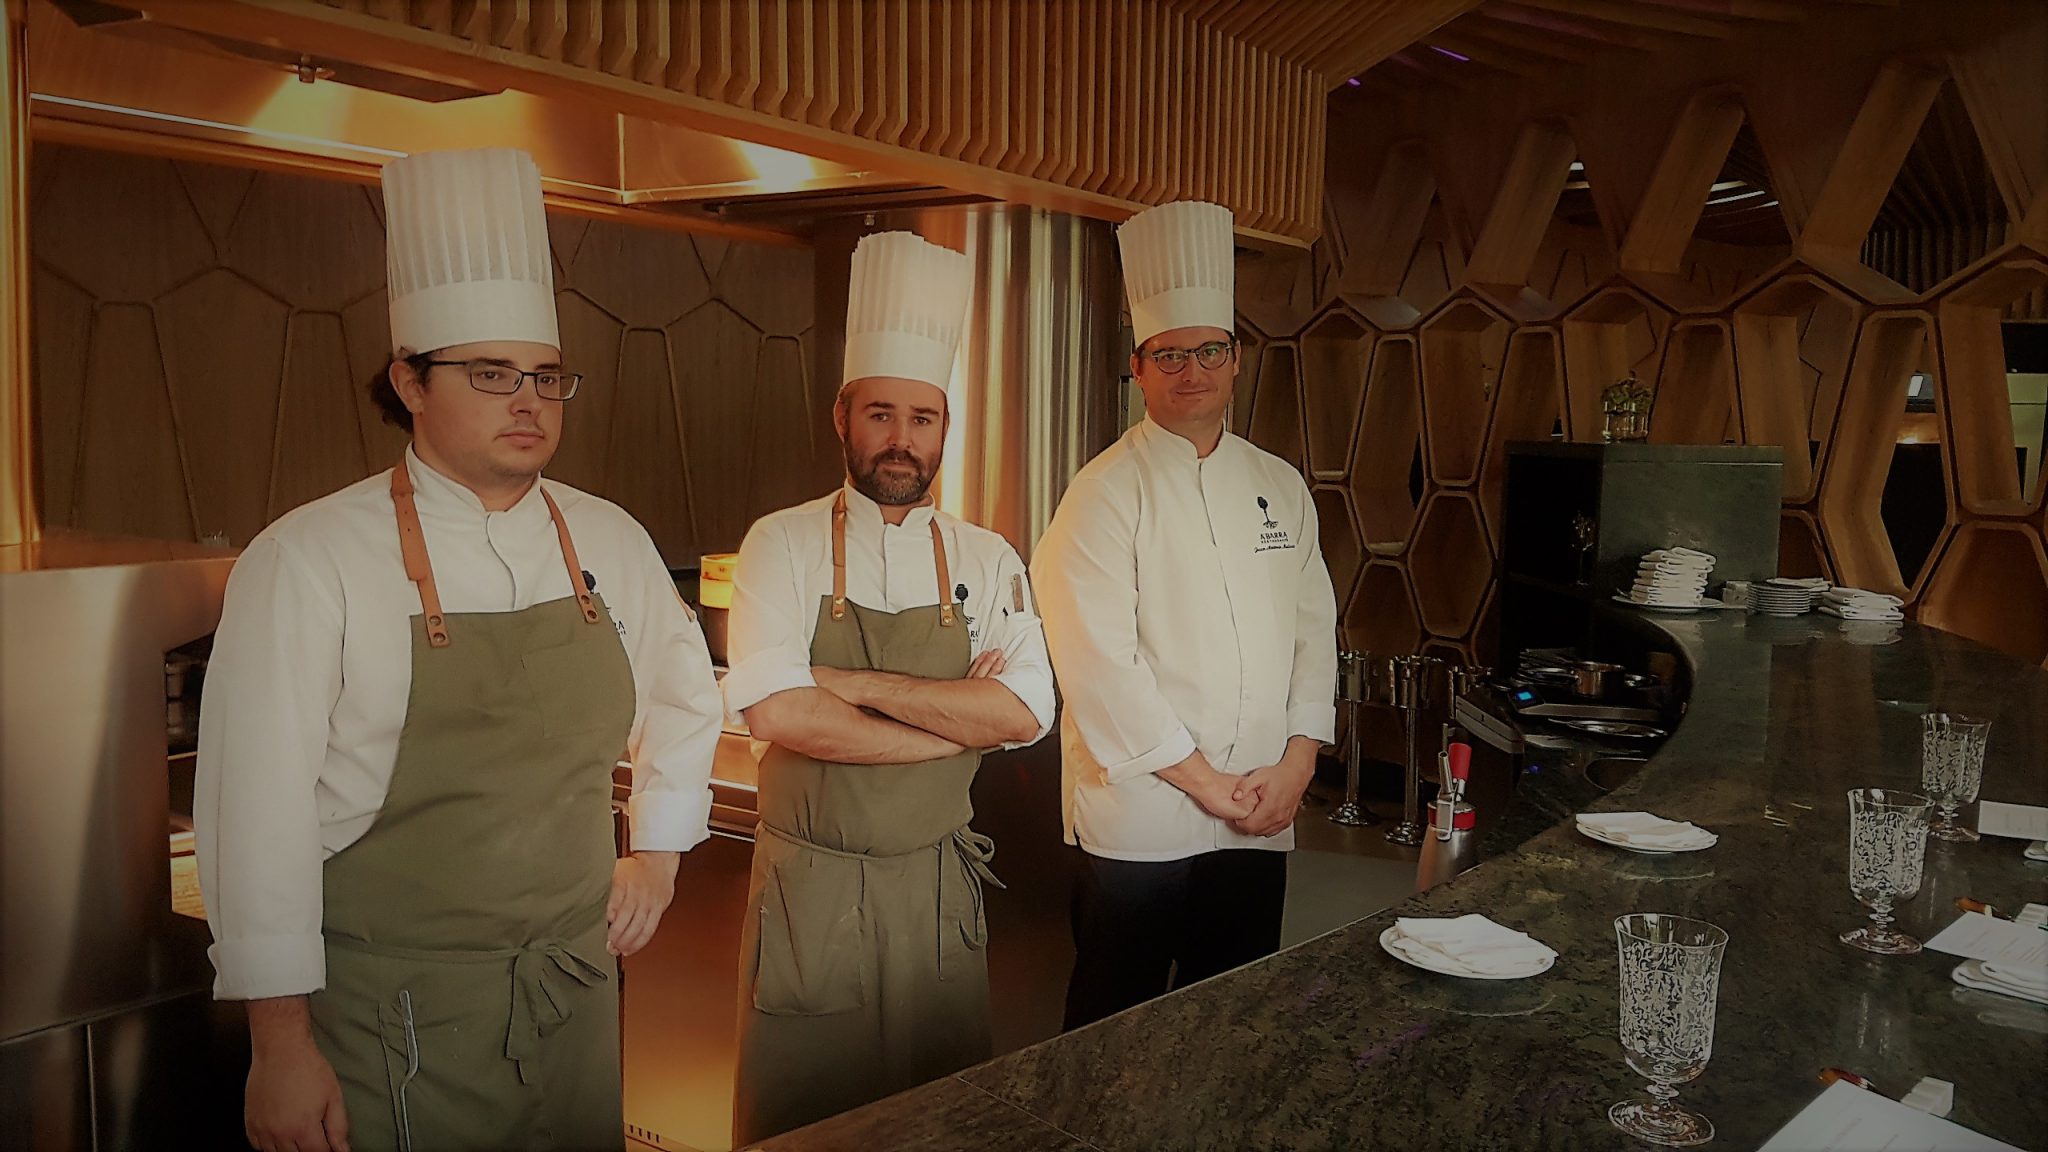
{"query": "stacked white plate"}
{"type": "Point", "coordinates": [1670, 579]}
{"type": "Point", "coordinates": [1781, 596]}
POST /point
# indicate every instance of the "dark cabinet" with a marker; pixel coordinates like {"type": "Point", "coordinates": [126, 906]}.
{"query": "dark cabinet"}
{"type": "Point", "coordinates": [1577, 519]}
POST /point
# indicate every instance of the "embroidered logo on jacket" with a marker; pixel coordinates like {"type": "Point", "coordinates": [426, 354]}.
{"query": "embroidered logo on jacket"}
{"type": "Point", "coordinates": [1274, 537]}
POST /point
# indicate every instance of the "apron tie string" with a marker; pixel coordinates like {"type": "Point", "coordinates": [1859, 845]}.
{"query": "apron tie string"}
{"type": "Point", "coordinates": [538, 1010]}
{"type": "Point", "coordinates": [975, 850]}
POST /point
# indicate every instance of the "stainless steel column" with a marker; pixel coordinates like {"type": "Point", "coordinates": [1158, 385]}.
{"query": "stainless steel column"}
{"type": "Point", "coordinates": [1035, 386]}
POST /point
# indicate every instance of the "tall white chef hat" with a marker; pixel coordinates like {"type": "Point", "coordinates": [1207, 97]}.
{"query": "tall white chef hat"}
{"type": "Point", "coordinates": [466, 246]}
{"type": "Point", "coordinates": [1180, 269]}
{"type": "Point", "coordinates": [905, 305]}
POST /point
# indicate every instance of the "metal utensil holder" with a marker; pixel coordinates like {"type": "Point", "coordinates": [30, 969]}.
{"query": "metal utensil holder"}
{"type": "Point", "coordinates": [1463, 678]}
{"type": "Point", "coordinates": [1354, 688]}
{"type": "Point", "coordinates": [1409, 685]}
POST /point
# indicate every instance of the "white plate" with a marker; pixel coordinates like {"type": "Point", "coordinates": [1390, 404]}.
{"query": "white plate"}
{"type": "Point", "coordinates": [1653, 607]}
{"type": "Point", "coordinates": [1644, 849]}
{"type": "Point", "coordinates": [1387, 946]}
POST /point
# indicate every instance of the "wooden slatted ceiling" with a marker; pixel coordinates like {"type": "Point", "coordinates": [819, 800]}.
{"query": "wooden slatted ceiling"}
{"type": "Point", "coordinates": [1335, 39]}
{"type": "Point", "coordinates": [1100, 106]}
{"type": "Point", "coordinates": [1468, 42]}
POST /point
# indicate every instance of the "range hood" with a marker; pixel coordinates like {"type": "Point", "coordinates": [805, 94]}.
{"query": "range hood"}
{"type": "Point", "coordinates": [104, 74]}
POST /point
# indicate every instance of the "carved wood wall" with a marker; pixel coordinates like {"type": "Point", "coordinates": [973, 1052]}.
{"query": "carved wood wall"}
{"type": "Point", "coordinates": [203, 335]}
{"type": "Point", "coordinates": [1496, 254]}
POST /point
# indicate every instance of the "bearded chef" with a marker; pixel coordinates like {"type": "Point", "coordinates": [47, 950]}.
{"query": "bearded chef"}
{"type": "Point", "coordinates": [878, 646]}
{"type": "Point", "coordinates": [418, 692]}
{"type": "Point", "coordinates": [1193, 626]}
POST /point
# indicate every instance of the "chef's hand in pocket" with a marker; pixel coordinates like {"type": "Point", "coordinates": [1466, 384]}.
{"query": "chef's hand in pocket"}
{"type": "Point", "coordinates": [642, 886]}
{"type": "Point", "coordinates": [1276, 792]}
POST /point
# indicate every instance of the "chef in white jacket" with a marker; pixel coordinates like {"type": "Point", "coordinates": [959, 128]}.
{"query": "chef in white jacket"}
{"type": "Point", "coordinates": [419, 690]}
{"type": "Point", "coordinates": [1192, 625]}
{"type": "Point", "coordinates": [879, 645]}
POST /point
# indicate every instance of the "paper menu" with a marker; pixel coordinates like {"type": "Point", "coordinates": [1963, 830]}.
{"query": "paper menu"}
{"type": "Point", "coordinates": [1846, 1118]}
{"type": "Point", "coordinates": [1975, 936]}
{"type": "Point", "coordinates": [2019, 821]}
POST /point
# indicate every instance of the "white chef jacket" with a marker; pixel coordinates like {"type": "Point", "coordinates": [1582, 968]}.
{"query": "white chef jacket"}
{"type": "Point", "coordinates": [785, 571]}
{"type": "Point", "coordinates": [1187, 606]}
{"type": "Point", "coordinates": [307, 687]}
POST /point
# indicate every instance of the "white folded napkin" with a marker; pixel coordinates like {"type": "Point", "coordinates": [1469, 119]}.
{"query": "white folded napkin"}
{"type": "Point", "coordinates": [1854, 611]}
{"type": "Point", "coordinates": [2003, 979]}
{"type": "Point", "coordinates": [1673, 575]}
{"type": "Point", "coordinates": [1471, 945]}
{"type": "Point", "coordinates": [1934, 1097]}
{"type": "Point", "coordinates": [1693, 554]}
{"type": "Point", "coordinates": [1859, 595]}
{"type": "Point", "coordinates": [1647, 830]}
{"type": "Point", "coordinates": [1642, 595]}
{"type": "Point", "coordinates": [2037, 850]}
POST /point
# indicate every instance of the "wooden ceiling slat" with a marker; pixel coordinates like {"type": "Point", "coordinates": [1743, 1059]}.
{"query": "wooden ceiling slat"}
{"type": "Point", "coordinates": [1492, 56]}
{"type": "Point", "coordinates": [1527, 38]}
{"type": "Point", "coordinates": [1637, 14]}
{"type": "Point", "coordinates": [1783, 11]}
{"type": "Point", "coordinates": [1593, 31]}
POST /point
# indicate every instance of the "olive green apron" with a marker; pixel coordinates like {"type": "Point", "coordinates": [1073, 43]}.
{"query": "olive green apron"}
{"type": "Point", "coordinates": [861, 963]}
{"type": "Point", "coordinates": [470, 999]}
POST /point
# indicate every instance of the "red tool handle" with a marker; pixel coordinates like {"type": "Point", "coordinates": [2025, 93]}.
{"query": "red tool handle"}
{"type": "Point", "coordinates": [1461, 761]}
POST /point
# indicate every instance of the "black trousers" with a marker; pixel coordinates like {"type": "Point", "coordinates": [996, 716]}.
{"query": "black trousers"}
{"type": "Point", "coordinates": [1144, 928]}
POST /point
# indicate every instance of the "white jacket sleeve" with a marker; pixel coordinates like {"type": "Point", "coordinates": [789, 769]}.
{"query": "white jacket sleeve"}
{"type": "Point", "coordinates": [1027, 668]}
{"type": "Point", "coordinates": [677, 716]}
{"type": "Point", "coordinates": [1312, 687]}
{"type": "Point", "coordinates": [1086, 570]}
{"type": "Point", "coordinates": [767, 649]}
{"type": "Point", "coordinates": [271, 685]}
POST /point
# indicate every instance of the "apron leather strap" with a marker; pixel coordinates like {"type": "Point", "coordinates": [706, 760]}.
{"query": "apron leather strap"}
{"type": "Point", "coordinates": [412, 544]}
{"type": "Point", "coordinates": [945, 577]}
{"type": "Point", "coordinates": [576, 580]}
{"type": "Point", "coordinates": [839, 556]}
{"type": "Point", "coordinates": [419, 568]}
{"type": "Point", "coordinates": [839, 564]}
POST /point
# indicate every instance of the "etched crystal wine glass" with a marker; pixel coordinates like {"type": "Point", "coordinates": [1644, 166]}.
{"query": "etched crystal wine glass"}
{"type": "Point", "coordinates": [1952, 768]}
{"type": "Point", "coordinates": [1670, 983]}
{"type": "Point", "coordinates": [1887, 850]}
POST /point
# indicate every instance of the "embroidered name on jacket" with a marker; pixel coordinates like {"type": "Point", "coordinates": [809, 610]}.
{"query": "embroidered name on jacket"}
{"type": "Point", "coordinates": [1273, 540]}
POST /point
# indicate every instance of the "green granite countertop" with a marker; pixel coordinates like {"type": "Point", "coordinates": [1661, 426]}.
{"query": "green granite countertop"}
{"type": "Point", "coordinates": [1333, 1044]}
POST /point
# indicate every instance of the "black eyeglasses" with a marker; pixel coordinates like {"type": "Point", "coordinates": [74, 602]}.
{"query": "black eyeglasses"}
{"type": "Point", "coordinates": [1174, 361]}
{"type": "Point", "coordinates": [502, 379]}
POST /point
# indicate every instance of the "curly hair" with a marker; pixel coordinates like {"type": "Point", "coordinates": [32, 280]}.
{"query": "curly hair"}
{"type": "Point", "coordinates": [386, 397]}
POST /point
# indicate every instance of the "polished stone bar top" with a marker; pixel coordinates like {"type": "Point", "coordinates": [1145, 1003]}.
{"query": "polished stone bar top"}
{"type": "Point", "coordinates": [1333, 1044]}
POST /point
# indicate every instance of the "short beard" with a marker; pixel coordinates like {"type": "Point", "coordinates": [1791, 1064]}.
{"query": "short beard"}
{"type": "Point", "coordinates": [869, 481]}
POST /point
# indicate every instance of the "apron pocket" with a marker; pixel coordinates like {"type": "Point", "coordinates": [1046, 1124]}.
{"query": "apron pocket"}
{"type": "Point", "coordinates": [810, 934]}
{"type": "Point", "coordinates": [580, 685]}
{"type": "Point", "coordinates": [963, 917]}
